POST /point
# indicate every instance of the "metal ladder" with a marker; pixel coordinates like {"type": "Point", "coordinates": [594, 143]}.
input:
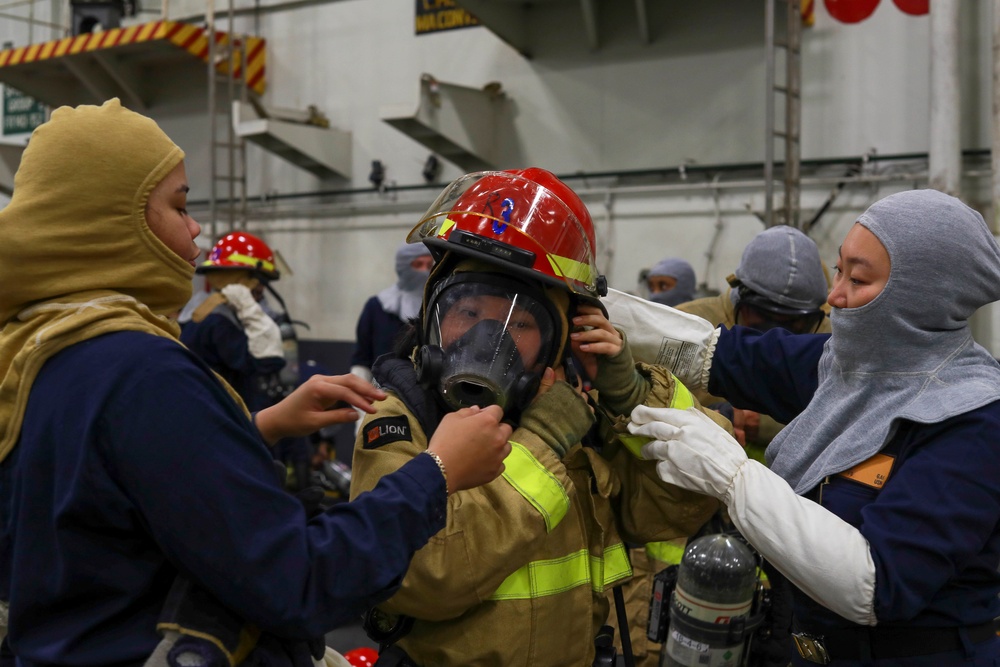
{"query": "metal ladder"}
{"type": "Point", "coordinates": [229, 171]}
{"type": "Point", "coordinates": [791, 91]}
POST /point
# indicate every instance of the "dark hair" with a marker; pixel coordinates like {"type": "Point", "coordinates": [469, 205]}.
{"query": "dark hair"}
{"type": "Point", "coordinates": [407, 338]}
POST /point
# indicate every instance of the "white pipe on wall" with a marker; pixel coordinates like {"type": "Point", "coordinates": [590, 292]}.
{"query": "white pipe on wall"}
{"type": "Point", "coordinates": [985, 323]}
{"type": "Point", "coordinates": [995, 124]}
{"type": "Point", "coordinates": [945, 139]}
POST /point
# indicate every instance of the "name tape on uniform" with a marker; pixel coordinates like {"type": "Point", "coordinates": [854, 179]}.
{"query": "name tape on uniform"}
{"type": "Point", "coordinates": [874, 472]}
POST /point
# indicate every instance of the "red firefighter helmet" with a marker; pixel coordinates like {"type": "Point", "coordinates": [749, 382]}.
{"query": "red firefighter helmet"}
{"type": "Point", "coordinates": [240, 250]}
{"type": "Point", "coordinates": [526, 220]}
{"type": "Point", "coordinates": [362, 657]}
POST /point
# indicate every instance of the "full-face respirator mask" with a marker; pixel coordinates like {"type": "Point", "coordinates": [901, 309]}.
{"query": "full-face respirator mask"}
{"type": "Point", "coordinates": [487, 340]}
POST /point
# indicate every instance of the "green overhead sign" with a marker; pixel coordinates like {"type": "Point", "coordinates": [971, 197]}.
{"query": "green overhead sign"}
{"type": "Point", "coordinates": [21, 114]}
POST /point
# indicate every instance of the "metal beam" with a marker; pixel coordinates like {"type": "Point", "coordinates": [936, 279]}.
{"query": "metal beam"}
{"type": "Point", "coordinates": [126, 76]}
{"type": "Point", "coordinates": [31, 21]}
{"type": "Point", "coordinates": [262, 9]}
{"type": "Point", "coordinates": [323, 151]}
{"type": "Point", "coordinates": [508, 21]}
{"type": "Point", "coordinates": [461, 124]}
{"type": "Point", "coordinates": [53, 91]}
{"type": "Point", "coordinates": [101, 86]}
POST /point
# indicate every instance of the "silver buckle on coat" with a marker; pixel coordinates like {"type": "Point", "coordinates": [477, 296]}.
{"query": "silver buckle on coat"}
{"type": "Point", "coordinates": [811, 648]}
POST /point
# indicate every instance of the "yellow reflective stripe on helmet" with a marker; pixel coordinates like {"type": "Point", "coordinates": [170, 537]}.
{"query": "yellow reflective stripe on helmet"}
{"type": "Point", "coordinates": [570, 268]}
{"type": "Point", "coordinates": [666, 552]}
{"type": "Point", "coordinates": [445, 226]}
{"type": "Point", "coordinates": [538, 486]}
{"type": "Point", "coordinates": [557, 575]}
{"type": "Point", "coordinates": [682, 400]}
{"type": "Point", "coordinates": [250, 261]}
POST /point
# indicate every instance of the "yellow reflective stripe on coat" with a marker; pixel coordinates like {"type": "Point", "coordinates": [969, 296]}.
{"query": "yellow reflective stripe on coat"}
{"type": "Point", "coordinates": [538, 486]}
{"type": "Point", "coordinates": [557, 575]}
{"type": "Point", "coordinates": [681, 400]}
{"type": "Point", "coordinates": [614, 567]}
{"type": "Point", "coordinates": [666, 552]}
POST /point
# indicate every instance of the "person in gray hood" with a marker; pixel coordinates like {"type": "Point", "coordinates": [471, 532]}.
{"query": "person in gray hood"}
{"type": "Point", "coordinates": [384, 314]}
{"type": "Point", "coordinates": [882, 503]}
{"type": "Point", "coordinates": [671, 281]}
{"type": "Point", "coordinates": [779, 283]}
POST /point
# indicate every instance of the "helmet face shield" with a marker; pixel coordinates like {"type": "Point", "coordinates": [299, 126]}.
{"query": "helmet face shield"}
{"type": "Point", "coordinates": [515, 221]}
{"type": "Point", "coordinates": [495, 340]}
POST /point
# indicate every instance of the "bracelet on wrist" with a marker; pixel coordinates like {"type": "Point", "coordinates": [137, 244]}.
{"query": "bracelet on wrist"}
{"type": "Point", "coordinates": [440, 465]}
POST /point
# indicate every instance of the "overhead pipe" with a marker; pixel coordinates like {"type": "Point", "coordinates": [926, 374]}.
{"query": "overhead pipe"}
{"type": "Point", "coordinates": [333, 204]}
{"type": "Point", "coordinates": [344, 210]}
{"type": "Point", "coordinates": [686, 172]}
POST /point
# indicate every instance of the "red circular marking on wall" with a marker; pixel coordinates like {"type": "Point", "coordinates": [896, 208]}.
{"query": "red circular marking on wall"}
{"type": "Point", "coordinates": [850, 11]}
{"type": "Point", "coordinates": [914, 7]}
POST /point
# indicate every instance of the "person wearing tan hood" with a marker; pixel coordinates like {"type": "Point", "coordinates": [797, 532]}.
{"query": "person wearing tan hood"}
{"type": "Point", "coordinates": [125, 462]}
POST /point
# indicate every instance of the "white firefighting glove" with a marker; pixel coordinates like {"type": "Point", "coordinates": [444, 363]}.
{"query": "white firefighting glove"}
{"type": "Point", "coordinates": [263, 335]}
{"type": "Point", "coordinates": [823, 555]}
{"type": "Point", "coordinates": [664, 336]}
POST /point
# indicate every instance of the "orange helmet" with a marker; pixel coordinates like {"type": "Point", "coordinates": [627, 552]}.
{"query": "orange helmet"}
{"type": "Point", "coordinates": [240, 250]}
{"type": "Point", "coordinates": [526, 220]}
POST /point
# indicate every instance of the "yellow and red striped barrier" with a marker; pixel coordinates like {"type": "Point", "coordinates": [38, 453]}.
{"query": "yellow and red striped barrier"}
{"type": "Point", "coordinates": [185, 36]}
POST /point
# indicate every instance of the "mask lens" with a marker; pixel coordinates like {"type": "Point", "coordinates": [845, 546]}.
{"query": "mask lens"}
{"type": "Point", "coordinates": [491, 337]}
{"type": "Point", "coordinates": [459, 307]}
